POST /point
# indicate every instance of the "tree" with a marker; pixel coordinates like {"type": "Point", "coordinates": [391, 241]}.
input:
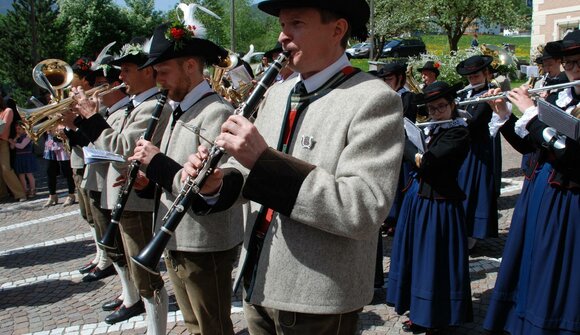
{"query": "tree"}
{"type": "Point", "coordinates": [91, 24]}
{"type": "Point", "coordinates": [395, 18]}
{"type": "Point", "coordinates": [28, 21]}
{"type": "Point", "coordinates": [454, 16]}
{"type": "Point", "coordinates": [141, 17]}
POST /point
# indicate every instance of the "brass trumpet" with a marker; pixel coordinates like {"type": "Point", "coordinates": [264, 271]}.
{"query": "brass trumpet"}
{"type": "Point", "coordinates": [32, 117]}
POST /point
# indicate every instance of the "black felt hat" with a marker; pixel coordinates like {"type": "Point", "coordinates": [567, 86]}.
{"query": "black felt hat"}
{"type": "Point", "coordinates": [391, 68]}
{"type": "Point", "coordinates": [356, 12]}
{"type": "Point", "coordinates": [270, 53]}
{"type": "Point", "coordinates": [438, 89]}
{"type": "Point", "coordinates": [167, 44]}
{"type": "Point", "coordinates": [132, 52]}
{"type": "Point", "coordinates": [430, 66]}
{"type": "Point", "coordinates": [568, 46]}
{"type": "Point", "coordinates": [473, 64]}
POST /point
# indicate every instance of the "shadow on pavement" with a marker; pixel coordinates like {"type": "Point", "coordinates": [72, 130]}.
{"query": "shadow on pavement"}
{"type": "Point", "coordinates": [47, 254]}
{"type": "Point", "coordinates": [44, 293]}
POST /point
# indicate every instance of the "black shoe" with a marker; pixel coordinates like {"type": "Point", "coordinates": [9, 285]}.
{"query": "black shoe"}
{"type": "Point", "coordinates": [410, 327]}
{"type": "Point", "coordinates": [97, 274]}
{"type": "Point", "coordinates": [112, 305]}
{"type": "Point", "coordinates": [87, 268]}
{"type": "Point", "coordinates": [125, 313]}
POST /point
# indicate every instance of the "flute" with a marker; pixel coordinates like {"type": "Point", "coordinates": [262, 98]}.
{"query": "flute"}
{"type": "Point", "coordinates": [504, 95]}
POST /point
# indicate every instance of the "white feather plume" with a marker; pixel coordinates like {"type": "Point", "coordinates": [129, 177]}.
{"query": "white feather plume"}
{"type": "Point", "coordinates": [95, 65]}
{"type": "Point", "coordinates": [248, 56]}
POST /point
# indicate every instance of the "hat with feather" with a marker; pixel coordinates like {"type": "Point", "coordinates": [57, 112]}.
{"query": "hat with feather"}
{"type": "Point", "coordinates": [184, 37]}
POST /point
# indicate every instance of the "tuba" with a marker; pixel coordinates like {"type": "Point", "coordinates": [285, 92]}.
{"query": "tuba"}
{"type": "Point", "coordinates": [414, 87]}
{"type": "Point", "coordinates": [219, 71]}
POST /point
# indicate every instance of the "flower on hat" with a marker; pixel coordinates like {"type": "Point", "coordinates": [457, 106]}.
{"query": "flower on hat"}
{"type": "Point", "coordinates": [179, 32]}
{"type": "Point", "coordinates": [437, 65]}
{"type": "Point", "coordinates": [83, 64]}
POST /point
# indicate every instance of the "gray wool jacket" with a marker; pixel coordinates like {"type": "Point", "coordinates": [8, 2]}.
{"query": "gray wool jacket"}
{"type": "Point", "coordinates": [217, 232]}
{"type": "Point", "coordinates": [121, 138]}
{"type": "Point", "coordinates": [319, 253]}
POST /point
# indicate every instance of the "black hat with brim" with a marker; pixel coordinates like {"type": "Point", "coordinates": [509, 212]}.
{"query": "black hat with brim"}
{"type": "Point", "coordinates": [429, 66]}
{"type": "Point", "coordinates": [137, 56]}
{"type": "Point", "coordinates": [277, 49]}
{"type": "Point", "coordinates": [163, 49]}
{"type": "Point", "coordinates": [568, 46]}
{"type": "Point", "coordinates": [437, 90]}
{"type": "Point", "coordinates": [473, 64]}
{"type": "Point", "coordinates": [391, 68]}
{"type": "Point", "coordinates": [356, 12]}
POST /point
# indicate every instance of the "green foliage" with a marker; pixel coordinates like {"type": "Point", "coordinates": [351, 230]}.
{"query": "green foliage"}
{"type": "Point", "coordinates": [91, 24]}
{"type": "Point", "coordinates": [454, 16]}
{"type": "Point", "coordinates": [141, 17]}
{"type": "Point", "coordinates": [25, 43]}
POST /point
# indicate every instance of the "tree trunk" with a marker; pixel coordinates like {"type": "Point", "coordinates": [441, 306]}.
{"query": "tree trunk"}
{"type": "Point", "coordinates": [453, 40]}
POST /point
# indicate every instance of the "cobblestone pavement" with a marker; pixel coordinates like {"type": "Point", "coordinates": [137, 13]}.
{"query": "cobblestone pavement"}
{"type": "Point", "coordinates": [41, 291]}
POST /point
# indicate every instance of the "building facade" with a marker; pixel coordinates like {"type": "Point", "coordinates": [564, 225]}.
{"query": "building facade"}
{"type": "Point", "coordinates": [552, 19]}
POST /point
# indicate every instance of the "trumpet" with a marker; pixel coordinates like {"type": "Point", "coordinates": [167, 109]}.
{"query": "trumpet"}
{"type": "Point", "coordinates": [32, 116]}
{"type": "Point", "coordinates": [149, 257]}
{"type": "Point", "coordinates": [504, 95]}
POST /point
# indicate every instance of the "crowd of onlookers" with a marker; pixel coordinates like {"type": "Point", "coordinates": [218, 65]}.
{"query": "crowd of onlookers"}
{"type": "Point", "coordinates": [19, 161]}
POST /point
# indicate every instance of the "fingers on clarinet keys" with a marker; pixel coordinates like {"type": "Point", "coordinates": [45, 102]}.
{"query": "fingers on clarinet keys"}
{"type": "Point", "coordinates": [112, 305]}
{"type": "Point", "coordinates": [125, 313]}
{"type": "Point", "coordinates": [98, 274]}
{"type": "Point", "coordinates": [87, 268]}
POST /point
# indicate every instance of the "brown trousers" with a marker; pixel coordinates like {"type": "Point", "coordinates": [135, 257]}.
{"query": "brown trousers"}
{"type": "Point", "coordinates": [136, 232]}
{"type": "Point", "coordinates": [202, 282]}
{"type": "Point", "coordinates": [83, 197]}
{"type": "Point", "coordinates": [269, 321]}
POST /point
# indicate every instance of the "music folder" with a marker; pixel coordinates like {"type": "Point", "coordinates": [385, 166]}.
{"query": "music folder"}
{"type": "Point", "coordinates": [558, 119]}
{"type": "Point", "coordinates": [415, 135]}
{"type": "Point", "coordinates": [95, 156]}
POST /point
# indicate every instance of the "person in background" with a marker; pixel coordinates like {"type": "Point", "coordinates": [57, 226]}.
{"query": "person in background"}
{"type": "Point", "coordinates": [25, 162]}
{"type": "Point", "coordinates": [429, 72]}
{"type": "Point", "coordinates": [6, 172]}
{"type": "Point", "coordinates": [58, 159]}
{"type": "Point", "coordinates": [474, 41]}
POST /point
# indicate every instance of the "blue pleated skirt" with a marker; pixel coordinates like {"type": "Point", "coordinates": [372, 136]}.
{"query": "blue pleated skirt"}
{"type": "Point", "coordinates": [537, 291]}
{"type": "Point", "coordinates": [429, 273]}
{"type": "Point", "coordinates": [404, 180]}
{"type": "Point", "coordinates": [477, 182]}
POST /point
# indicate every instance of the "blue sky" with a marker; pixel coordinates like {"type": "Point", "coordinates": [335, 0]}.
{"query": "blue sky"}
{"type": "Point", "coordinates": [163, 5]}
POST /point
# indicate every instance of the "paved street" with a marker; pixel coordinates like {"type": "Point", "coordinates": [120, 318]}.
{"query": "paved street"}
{"type": "Point", "coordinates": [41, 291]}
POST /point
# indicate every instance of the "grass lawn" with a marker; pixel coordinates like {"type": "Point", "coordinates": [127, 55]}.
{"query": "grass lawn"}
{"type": "Point", "coordinates": [437, 44]}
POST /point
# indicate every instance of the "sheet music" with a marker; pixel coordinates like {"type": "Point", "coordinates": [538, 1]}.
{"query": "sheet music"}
{"type": "Point", "coordinates": [415, 135]}
{"type": "Point", "coordinates": [559, 119]}
{"type": "Point", "coordinates": [95, 156]}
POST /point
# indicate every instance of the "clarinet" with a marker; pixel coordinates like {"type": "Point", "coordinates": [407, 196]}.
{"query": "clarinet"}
{"type": "Point", "coordinates": [108, 240]}
{"type": "Point", "coordinates": [150, 256]}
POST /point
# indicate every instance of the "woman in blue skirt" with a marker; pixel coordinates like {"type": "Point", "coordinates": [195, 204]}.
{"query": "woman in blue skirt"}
{"type": "Point", "coordinates": [429, 273]}
{"type": "Point", "coordinates": [476, 176]}
{"type": "Point", "coordinates": [537, 291]}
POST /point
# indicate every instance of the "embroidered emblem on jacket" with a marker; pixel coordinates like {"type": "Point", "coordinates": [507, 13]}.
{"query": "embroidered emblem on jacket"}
{"type": "Point", "coordinates": [307, 142]}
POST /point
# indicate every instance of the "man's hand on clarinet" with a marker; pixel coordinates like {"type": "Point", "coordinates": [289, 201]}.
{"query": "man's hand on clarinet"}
{"type": "Point", "coordinates": [141, 181]}
{"type": "Point", "coordinates": [144, 152]}
{"type": "Point", "coordinates": [241, 139]}
{"type": "Point", "coordinates": [194, 164]}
